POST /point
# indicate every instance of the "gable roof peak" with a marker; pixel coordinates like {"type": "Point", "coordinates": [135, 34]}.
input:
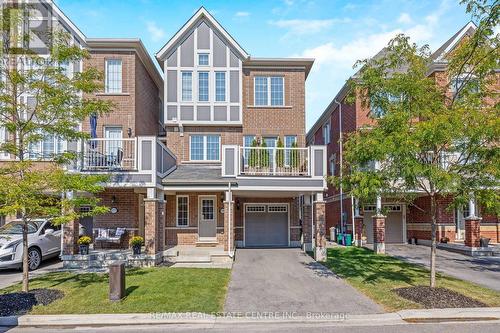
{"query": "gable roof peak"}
{"type": "Point", "coordinates": [201, 13]}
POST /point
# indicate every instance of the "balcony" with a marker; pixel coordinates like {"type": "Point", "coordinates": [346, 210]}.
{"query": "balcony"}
{"type": "Point", "coordinates": [274, 161]}
{"type": "Point", "coordinates": [258, 161]}
{"type": "Point", "coordinates": [110, 155]}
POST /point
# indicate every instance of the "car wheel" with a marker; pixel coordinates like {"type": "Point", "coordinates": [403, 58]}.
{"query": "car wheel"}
{"type": "Point", "coordinates": [34, 258]}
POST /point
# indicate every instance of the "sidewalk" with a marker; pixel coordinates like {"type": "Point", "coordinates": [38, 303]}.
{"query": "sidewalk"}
{"type": "Point", "coordinates": [490, 315]}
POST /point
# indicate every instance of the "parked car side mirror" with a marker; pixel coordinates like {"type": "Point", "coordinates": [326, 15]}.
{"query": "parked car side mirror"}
{"type": "Point", "coordinates": [49, 231]}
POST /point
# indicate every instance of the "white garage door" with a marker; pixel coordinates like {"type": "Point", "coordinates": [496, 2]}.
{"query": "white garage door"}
{"type": "Point", "coordinates": [393, 226]}
{"type": "Point", "coordinates": [266, 225]}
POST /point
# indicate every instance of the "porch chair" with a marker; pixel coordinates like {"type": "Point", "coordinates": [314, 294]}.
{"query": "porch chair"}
{"type": "Point", "coordinates": [114, 236]}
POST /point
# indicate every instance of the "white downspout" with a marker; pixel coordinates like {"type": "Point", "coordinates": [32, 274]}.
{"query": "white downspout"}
{"type": "Point", "coordinates": [340, 170]}
{"type": "Point", "coordinates": [230, 200]}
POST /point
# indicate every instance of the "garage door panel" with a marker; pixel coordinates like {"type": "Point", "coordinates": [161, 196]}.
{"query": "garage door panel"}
{"type": "Point", "coordinates": [393, 228]}
{"type": "Point", "coordinates": [266, 228]}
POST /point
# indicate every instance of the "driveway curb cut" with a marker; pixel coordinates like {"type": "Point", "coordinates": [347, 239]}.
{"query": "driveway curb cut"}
{"type": "Point", "coordinates": [401, 317]}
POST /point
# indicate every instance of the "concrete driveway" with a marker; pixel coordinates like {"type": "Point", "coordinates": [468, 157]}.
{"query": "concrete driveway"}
{"type": "Point", "coordinates": [287, 280]}
{"type": "Point", "coordinates": [10, 276]}
{"type": "Point", "coordinates": [481, 270]}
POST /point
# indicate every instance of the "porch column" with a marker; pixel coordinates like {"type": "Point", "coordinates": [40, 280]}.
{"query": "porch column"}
{"type": "Point", "coordinates": [154, 216]}
{"type": "Point", "coordinates": [70, 234]}
{"type": "Point", "coordinates": [319, 228]}
{"type": "Point", "coordinates": [358, 225]}
{"type": "Point", "coordinates": [472, 226]}
{"type": "Point", "coordinates": [379, 229]}
{"type": "Point", "coordinates": [229, 222]}
{"type": "Point", "coordinates": [307, 224]}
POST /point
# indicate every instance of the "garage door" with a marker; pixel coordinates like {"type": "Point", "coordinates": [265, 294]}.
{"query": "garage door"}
{"type": "Point", "coordinates": [266, 225]}
{"type": "Point", "coordinates": [393, 224]}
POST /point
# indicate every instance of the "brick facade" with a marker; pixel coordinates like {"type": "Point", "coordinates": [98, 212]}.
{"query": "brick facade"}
{"type": "Point", "coordinates": [379, 234]}
{"type": "Point", "coordinates": [472, 231]}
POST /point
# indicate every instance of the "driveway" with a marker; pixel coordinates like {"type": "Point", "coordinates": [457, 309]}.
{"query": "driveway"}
{"type": "Point", "coordinates": [481, 270]}
{"type": "Point", "coordinates": [287, 280]}
{"type": "Point", "coordinates": [10, 276]}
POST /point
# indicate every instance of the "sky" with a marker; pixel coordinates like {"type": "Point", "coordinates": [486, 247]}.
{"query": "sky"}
{"type": "Point", "coordinates": [334, 32]}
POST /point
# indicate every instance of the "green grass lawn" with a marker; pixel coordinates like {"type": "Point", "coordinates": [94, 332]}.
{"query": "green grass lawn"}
{"type": "Point", "coordinates": [376, 276]}
{"type": "Point", "coordinates": [159, 289]}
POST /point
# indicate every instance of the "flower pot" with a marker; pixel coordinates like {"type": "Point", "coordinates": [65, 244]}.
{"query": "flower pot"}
{"type": "Point", "coordinates": [136, 249]}
{"type": "Point", "coordinates": [84, 249]}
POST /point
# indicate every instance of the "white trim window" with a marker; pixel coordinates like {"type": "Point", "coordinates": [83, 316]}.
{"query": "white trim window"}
{"type": "Point", "coordinates": [46, 149]}
{"type": "Point", "coordinates": [113, 81]}
{"type": "Point", "coordinates": [332, 161]}
{"type": "Point", "coordinates": [289, 141]}
{"type": "Point", "coordinates": [203, 87]}
{"type": "Point", "coordinates": [326, 133]}
{"type": "Point", "coordinates": [113, 145]}
{"type": "Point", "coordinates": [220, 86]}
{"type": "Point", "coordinates": [203, 59]}
{"type": "Point", "coordinates": [269, 91]}
{"type": "Point", "coordinates": [182, 210]}
{"type": "Point", "coordinates": [204, 148]}
{"type": "Point", "coordinates": [187, 86]}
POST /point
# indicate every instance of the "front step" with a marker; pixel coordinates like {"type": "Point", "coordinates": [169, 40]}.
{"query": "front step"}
{"type": "Point", "coordinates": [207, 244]}
{"type": "Point", "coordinates": [193, 259]}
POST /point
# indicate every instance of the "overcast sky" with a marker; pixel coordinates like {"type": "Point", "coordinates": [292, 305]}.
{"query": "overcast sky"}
{"type": "Point", "coordinates": [335, 33]}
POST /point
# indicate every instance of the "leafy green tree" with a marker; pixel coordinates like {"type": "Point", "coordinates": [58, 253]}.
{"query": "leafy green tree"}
{"type": "Point", "coordinates": [280, 153]}
{"type": "Point", "coordinates": [428, 138]}
{"type": "Point", "coordinates": [30, 189]}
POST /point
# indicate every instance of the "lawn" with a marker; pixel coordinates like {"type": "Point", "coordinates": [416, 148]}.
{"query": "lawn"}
{"type": "Point", "coordinates": [160, 289]}
{"type": "Point", "coordinates": [377, 275]}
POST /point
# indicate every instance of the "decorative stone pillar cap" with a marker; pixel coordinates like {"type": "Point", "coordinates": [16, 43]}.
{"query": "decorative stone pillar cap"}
{"type": "Point", "coordinates": [359, 217]}
{"type": "Point", "coordinates": [473, 218]}
{"type": "Point", "coordinates": [379, 216]}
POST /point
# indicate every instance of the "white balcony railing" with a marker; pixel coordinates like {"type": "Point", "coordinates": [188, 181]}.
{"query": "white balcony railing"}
{"type": "Point", "coordinates": [110, 154]}
{"type": "Point", "coordinates": [273, 161]}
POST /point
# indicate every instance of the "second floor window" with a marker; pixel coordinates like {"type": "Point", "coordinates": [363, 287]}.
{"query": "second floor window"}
{"type": "Point", "coordinates": [269, 91]}
{"type": "Point", "coordinates": [203, 59]}
{"type": "Point", "coordinates": [205, 148]}
{"type": "Point", "coordinates": [203, 86]}
{"type": "Point", "coordinates": [220, 86]}
{"type": "Point", "coordinates": [46, 149]}
{"type": "Point", "coordinates": [187, 86]}
{"type": "Point", "coordinates": [113, 74]}
{"type": "Point", "coordinates": [326, 133]}
{"type": "Point", "coordinates": [333, 161]}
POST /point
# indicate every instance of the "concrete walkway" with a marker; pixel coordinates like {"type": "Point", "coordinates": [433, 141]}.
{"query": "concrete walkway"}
{"type": "Point", "coordinates": [287, 280]}
{"type": "Point", "coordinates": [481, 270]}
{"type": "Point", "coordinates": [10, 276]}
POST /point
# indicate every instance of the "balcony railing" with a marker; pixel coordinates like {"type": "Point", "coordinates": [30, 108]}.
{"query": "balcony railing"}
{"type": "Point", "coordinates": [273, 161]}
{"type": "Point", "coordinates": [110, 154]}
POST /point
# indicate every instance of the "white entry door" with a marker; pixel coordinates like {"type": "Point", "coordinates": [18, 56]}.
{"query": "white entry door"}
{"type": "Point", "coordinates": [207, 224]}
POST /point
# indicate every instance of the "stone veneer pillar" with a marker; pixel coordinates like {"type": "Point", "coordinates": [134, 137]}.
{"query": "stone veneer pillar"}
{"type": "Point", "coordinates": [320, 230]}
{"type": "Point", "coordinates": [229, 225]}
{"type": "Point", "coordinates": [70, 237]}
{"type": "Point", "coordinates": [153, 225]}
{"type": "Point", "coordinates": [358, 230]}
{"type": "Point", "coordinates": [472, 231]}
{"type": "Point", "coordinates": [379, 233]}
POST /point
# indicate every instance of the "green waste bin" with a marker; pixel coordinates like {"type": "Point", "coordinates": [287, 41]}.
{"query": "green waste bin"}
{"type": "Point", "coordinates": [348, 239]}
{"type": "Point", "coordinates": [339, 238]}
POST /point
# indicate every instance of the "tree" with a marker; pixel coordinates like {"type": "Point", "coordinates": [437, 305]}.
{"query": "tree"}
{"type": "Point", "coordinates": [294, 156]}
{"type": "Point", "coordinates": [280, 153]}
{"type": "Point", "coordinates": [253, 156]}
{"type": "Point", "coordinates": [426, 138]}
{"type": "Point", "coordinates": [264, 155]}
{"type": "Point", "coordinates": [40, 102]}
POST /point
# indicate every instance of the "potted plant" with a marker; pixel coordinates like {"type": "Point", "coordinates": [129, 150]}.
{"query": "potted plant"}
{"type": "Point", "coordinates": [84, 243]}
{"type": "Point", "coordinates": [136, 243]}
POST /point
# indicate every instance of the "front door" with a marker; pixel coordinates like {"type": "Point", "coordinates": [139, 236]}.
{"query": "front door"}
{"type": "Point", "coordinates": [207, 224]}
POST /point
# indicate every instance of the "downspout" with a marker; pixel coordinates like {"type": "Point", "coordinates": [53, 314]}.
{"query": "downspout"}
{"type": "Point", "coordinates": [352, 216]}
{"type": "Point", "coordinates": [230, 200]}
{"type": "Point", "coordinates": [340, 168]}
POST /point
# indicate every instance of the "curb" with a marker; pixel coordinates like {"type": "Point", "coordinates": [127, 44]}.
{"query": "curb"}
{"type": "Point", "coordinates": [401, 317]}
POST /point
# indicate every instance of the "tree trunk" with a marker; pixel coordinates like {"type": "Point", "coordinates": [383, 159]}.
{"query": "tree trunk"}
{"type": "Point", "coordinates": [433, 242]}
{"type": "Point", "coordinates": [25, 257]}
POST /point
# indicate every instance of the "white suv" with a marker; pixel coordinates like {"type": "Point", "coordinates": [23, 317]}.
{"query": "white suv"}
{"type": "Point", "coordinates": [44, 241]}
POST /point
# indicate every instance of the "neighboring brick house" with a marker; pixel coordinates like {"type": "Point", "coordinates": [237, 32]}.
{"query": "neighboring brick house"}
{"type": "Point", "coordinates": [218, 101]}
{"type": "Point", "coordinates": [403, 222]}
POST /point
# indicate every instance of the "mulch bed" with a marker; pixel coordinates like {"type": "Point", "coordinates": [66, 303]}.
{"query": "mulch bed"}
{"type": "Point", "coordinates": [19, 303]}
{"type": "Point", "coordinates": [437, 298]}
